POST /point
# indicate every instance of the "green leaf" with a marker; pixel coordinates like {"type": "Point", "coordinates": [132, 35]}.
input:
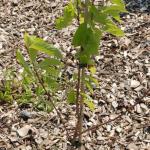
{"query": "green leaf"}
{"type": "Point", "coordinates": [98, 16]}
{"type": "Point", "coordinates": [113, 11]}
{"type": "Point", "coordinates": [8, 97]}
{"type": "Point", "coordinates": [51, 83]}
{"type": "Point", "coordinates": [29, 40]}
{"type": "Point", "coordinates": [94, 80]}
{"type": "Point", "coordinates": [88, 101]}
{"type": "Point", "coordinates": [115, 8]}
{"type": "Point", "coordinates": [39, 91]}
{"type": "Point", "coordinates": [43, 105]}
{"type": "Point", "coordinates": [80, 35]}
{"type": "Point", "coordinates": [92, 44]}
{"type": "Point", "coordinates": [32, 54]}
{"type": "Point", "coordinates": [89, 86]}
{"type": "Point", "coordinates": [83, 58]}
{"type": "Point", "coordinates": [113, 29]}
{"type": "Point", "coordinates": [27, 80]}
{"type": "Point", "coordinates": [52, 71]}
{"type": "Point", "coordinates": [116, 16]}
{"type": "Point", "coordinates": [102, 16]}
{"type": "Point", "coordinates": [71, 97]}
{"type": "Point", "coordinates": [92, 69]}
{"type": "Point", "coordinates": [88, 38]}
{"type": "Point", "coordinates": [90, 81]}
{"type": "Point", "coordinates": [69, 13]}
{"type": "Point", "coordinates": [118, 2]}
{"type": "Point", "coordinates": [47, 62]}
{"type": "Point", "coordinates": [42, 46]}
{"type": "Point", "coordinates": [22, 62]}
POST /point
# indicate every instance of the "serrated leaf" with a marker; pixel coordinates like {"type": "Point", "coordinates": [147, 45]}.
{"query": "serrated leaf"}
{"type": "Point", "coordinates": [98, 16]}
{"type": "Point", "coordinates": [29, 40]}
{"type": "Point", "coordinates": [118, 2]}
{"type": "Point", "coordinates": [83, 58]}
{"type": "Point", "coordinates": [102, 16]}
{"type": "Point", "coordinates": [80, 37]}
{"type": "Point", "coordinates": [92, 44]}
{"type": "Point", "coordinates": [94, 80]}
{"type": "Point", "coordinates": [22, 62]}
{"type": "Point", "coordinates": [69, 13]}
{"type": "Point", "coordinates": [71, 97]}
{"type": "Point", "coordinates": [114, 11]}
{"type": "Point", "coordinates": [32, 54]}
{"type": "Point", "coordinates": [89, 86]}
{"type": "Point", "coordinates": [110, 27]}
{"type": "Point", "coordinates": [42, 46]}
{"type": "Point", "coordinates": [47, 62]}
{"type": "Point", "coordinates": [51, 83]}
{"type": "Point", "coordinates": [92, 69]}
{"type": "Point", "coordinates": [115, 8]}
{"type": "Point", "coordinates": [52, 71]}
{"type": "Point", "coordinates": [88, 38]}
{"type": "Point", "coordinates": [35, 44]}
{"type": "Point", "coordinates": [89, 102]}
{"type": "Point", "coordinates": [116, 16]}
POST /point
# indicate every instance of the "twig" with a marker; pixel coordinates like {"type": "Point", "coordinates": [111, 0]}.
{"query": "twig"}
{"type": "Point", "coordinates": [119, 116]}
{"type": "Point", "coordinates": [77, 104]}
{"type": "Point", "coordinates": [51, 101]}
{"type": "Point", "coordinates": [99, 125]}
{"type": "Point", "coordinates": [80, 103]}
{"type": "Point", "coordinates": [79, 69]}
{"type": "Point", "coordinates": [48, 94]}
{"type": "Point", "coordinates": [78, 12]}
{"type": "Point", "coordinates": [81, 107]}
{"type": "Point", "coordinates": [78, 92]}
{"type": "Point", "coordinates": [78, 82]}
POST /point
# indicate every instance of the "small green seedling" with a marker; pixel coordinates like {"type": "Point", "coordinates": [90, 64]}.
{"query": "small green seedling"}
{"type": "Point", "coordinates": [39, 78]}
{"type": "Point", "coordinates": [93, 21]}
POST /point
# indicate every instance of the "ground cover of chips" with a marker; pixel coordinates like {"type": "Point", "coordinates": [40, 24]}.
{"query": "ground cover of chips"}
{"type": "Point", "coordinates": [123, 70]}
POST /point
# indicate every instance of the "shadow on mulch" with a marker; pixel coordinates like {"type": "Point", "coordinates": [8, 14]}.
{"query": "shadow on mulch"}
{"type": "Point", "coordinates": [138, 6]}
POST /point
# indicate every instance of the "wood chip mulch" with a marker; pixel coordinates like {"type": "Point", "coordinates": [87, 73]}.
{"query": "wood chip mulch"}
{"type": "Point", "coordinates": [123, 70]}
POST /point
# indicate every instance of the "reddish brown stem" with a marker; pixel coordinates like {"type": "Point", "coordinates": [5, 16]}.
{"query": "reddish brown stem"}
{"type": "Point", "coordinates": [81, 107]}
{"type": "Point", "coordinates": [77, 103]}
{"type": "Point", "coordinates": [99, 125]}
{"type": "Point", "coordinates": [78, 92]}
{"type": "Point", "coordinates": [51, 101]}
{"type": "Point", "coordinates": [40, 80]}
{"type": "Point", "coordinates": [78, 82]}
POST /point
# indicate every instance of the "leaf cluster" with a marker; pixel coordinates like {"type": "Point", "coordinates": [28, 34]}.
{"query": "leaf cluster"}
{"type": "Point", "coordinates": [37, 73]}
{"type": "Point", "coordinates": [100, 20]}
{"type": "Point", "coordinates": [92, 25]}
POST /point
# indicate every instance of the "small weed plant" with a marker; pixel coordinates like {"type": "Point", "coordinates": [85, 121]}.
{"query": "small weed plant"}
{"type": "Point", "coordinates": [40, 78]}
{"type": "Point", "coordinates": [6, 87]}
